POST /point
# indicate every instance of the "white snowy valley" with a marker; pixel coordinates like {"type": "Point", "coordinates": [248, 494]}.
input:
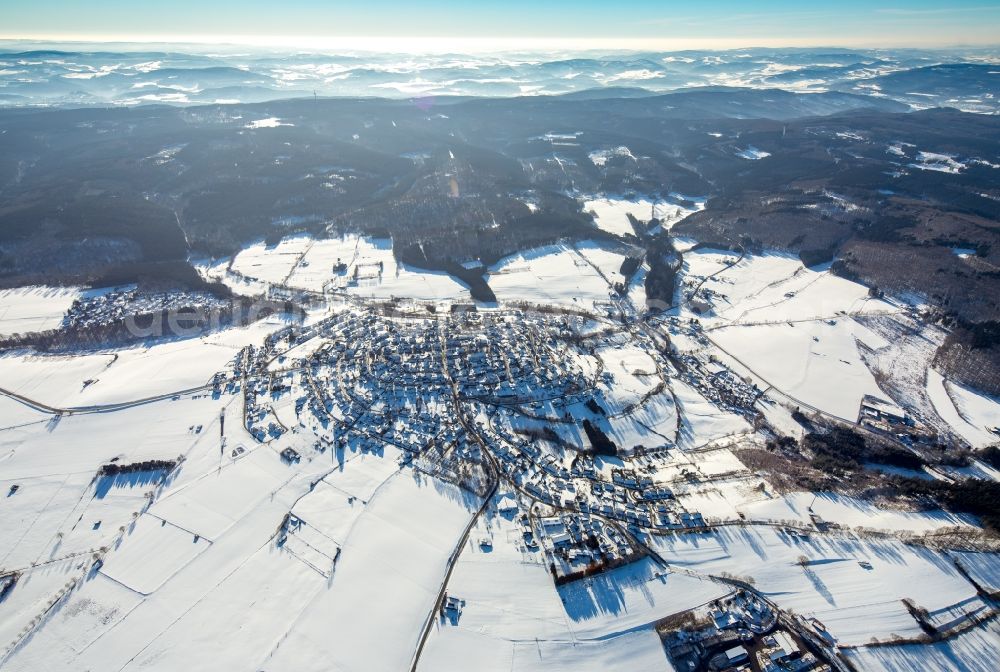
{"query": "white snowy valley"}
{"type": "Point", "coordinates": [401, 478]}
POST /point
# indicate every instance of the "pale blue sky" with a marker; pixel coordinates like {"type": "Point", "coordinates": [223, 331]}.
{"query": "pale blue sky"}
{"type": "Point", "coordinates": [640, 23]}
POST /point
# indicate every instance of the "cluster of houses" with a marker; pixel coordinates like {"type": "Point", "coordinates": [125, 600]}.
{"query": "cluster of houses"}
{"type": "Point", "coordinates": [738, 633]}
{"type": "Point", "coordinates": [578, 544]}
{"type": "Point", "coordinates": [260, 421]}
{"type": "Point", "coordinates": [96, 309]}
{"type": "Point", "coordinates": [884, 416]}
{"type": "Point", "coordinates": [628, 495]}
{"type": "Point", "coordinates": [719, 384]}
{"type": "Point", "coordinates": [509, 357]}
{"type": "Point", "coordinates": [359, 381]}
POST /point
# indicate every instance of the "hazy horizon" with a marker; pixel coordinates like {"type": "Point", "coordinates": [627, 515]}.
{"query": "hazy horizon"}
{"type": "Point", "coordinates": [445, 25]}
{"type": "Point", "coordinates": [430, 45]}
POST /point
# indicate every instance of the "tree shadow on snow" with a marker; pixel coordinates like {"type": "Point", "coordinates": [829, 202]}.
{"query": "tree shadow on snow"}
{"type": "Point", "coordinates": [135, 479]}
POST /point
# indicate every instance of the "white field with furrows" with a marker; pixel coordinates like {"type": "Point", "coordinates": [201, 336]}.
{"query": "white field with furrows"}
{"type": "Point", "coordinates": [151, 553]}
{"type": "Point", "coordinates": [801, 360]}
{"type": "Point", "coordinates": [29, 309]}
{"type": "Point", "coordinates": [395, 560]}
{"type": "Point", "coordinates": [771, 287]}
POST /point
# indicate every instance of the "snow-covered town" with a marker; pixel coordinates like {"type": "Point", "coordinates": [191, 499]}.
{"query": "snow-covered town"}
{"type": "Point", "coordinates": [558, 479]}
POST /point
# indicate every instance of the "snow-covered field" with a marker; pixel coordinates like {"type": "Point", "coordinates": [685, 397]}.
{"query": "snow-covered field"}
{"type": "Point", "coordinates": [801, 359]}
{"type": "Point", "coordinates": [752, 153]}
{"type": "Point", "coordinates": [848, 512]}
{"type": "Point", "coordinates": [302, 262]}
{"type": "Point", "coordinates": [600, 157]}
{"type": "Point", "coordinates": [983, 568]}
{"type": "Point", "coordinates": [703, 421]}
{"type": "Point", "coordinates": [554, 274]}
{"type": "Point", "coordinates": [942, 163]}
{"type": "Point", "coordinates": [129, 374]}
{"type": "Point", "coordinates": [679, 206]}
{"type": "Point", "coordinates": [773, 287]}
{"type": "Point", "coordinates": [269, 122]}
{"type": "Point", "coordinates": [382, 591]}
{"type": "Point", "coordinates": [515, 618]}
{"type": "Point", "coordinates": [316, 267]}
{"type": "Point", "coordinates": [200, 564]}
{"type": "Point", "coordinates": [611, 214]}
{"type": "Point", "coordinates": [78, 444]}
{"type": "Point", "coordinates": [973, 651]}
{"type": "Point", "coordinates": [28, 309]}
{"type": "Point", "coordinates": [152, 552]}
{"type": "Point", "coordinates": [971, 414]}
{"type": "Point", "coordinates": [271, 263]}
{"type": "Point", "coordinates": [372, 271]}
{"type": "Point", "coordinates": [633, 373]}
{"type": "Point", "coordinates": [607, 260]}
{"type": "Point", "coordinates": [790, 325]}
{"type": "Point", "coordinates": [649, 425]}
